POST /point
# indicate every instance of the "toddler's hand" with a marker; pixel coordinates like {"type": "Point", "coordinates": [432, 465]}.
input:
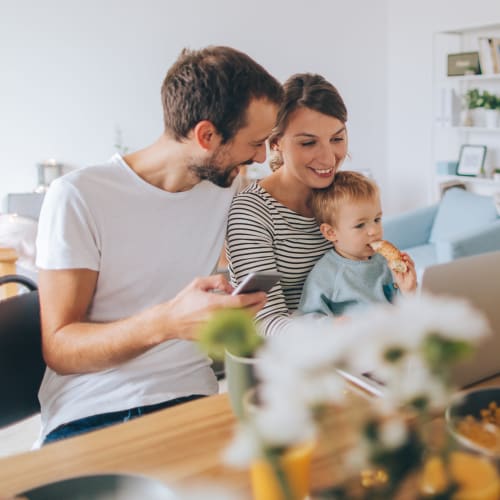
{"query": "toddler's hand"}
{"type": "Point", "coordinates": [407, 282]}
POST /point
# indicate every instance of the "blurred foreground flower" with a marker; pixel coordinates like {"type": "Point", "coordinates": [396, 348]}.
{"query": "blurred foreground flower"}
{"type": "Point", "coordinates": [411, 346]}
{"type": "Point", "coordinates": [232, 330]}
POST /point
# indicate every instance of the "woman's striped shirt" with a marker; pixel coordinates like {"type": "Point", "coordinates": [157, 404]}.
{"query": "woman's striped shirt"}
{"type": "Point", "coordinates": [264, 235]}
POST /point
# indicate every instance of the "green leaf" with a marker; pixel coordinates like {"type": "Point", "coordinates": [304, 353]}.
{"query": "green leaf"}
{"type": "Point", "coordinates": [231, 329]}
{"type": "Point", "coordinates": [441, 352]}
{"type": "Point", "coordinates": [371, 431]}
{"type": "Point", "coordinates": [420, 403]}
{"type": "Point", "coordinates": [394, 354]}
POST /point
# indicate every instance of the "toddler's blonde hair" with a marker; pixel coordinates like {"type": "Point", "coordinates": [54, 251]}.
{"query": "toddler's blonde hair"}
{"type": "Point", "coordinates": [346, 186]}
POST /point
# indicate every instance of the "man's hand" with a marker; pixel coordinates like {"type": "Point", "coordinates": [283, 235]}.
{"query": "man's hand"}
{"type": "Point", "coordinates": [196, 303]}
{"type": "Point", "coordinates": [72, 344]}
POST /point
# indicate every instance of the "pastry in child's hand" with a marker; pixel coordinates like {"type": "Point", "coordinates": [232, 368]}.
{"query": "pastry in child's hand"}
{"type": "Point", "coordinates": [391, 254]}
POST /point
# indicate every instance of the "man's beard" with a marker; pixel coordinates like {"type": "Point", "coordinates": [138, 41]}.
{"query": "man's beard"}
{"type": "Point", "coordinates": [213, 172]}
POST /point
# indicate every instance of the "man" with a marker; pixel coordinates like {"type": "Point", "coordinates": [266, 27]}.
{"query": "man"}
{"type": "Point", "coordinates": [119, 243]}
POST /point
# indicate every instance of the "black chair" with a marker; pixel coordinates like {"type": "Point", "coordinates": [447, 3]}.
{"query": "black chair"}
{"type": "Point", "coordinates": [21, 361]}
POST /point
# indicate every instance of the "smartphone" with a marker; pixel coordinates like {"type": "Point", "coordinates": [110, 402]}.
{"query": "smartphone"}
{"type": "Point", "coordinates": [257, 282]}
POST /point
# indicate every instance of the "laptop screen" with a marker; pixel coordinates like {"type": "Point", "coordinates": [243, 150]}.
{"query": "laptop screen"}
{"type": "Point", "coordinates": [476, 279]}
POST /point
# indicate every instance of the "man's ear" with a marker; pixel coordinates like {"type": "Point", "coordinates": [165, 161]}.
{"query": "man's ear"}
{"type": "Point", "coordinates": [275, 145]}
{"type": "Point", "coordinates": [328, 232]}
{"type": "Point", "coordinates": [206, 135]}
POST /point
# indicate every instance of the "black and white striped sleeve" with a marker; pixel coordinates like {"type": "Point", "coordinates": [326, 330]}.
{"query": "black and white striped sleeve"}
{"type": "Point", "coordinates": [250, 247]}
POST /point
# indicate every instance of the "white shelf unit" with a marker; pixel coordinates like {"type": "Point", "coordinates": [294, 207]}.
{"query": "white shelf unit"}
{"type": "Point", "coordinates": [474, 78]}
{"type": "Point", "coordinates": [477, 130]}
{"type": "Point", "coordinates": [449, 133]}
{"type": "Point", "coordinates": [486, 186]}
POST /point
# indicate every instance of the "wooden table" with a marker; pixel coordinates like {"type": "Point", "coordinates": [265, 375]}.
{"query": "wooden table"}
{"type": "Point", "coordinates": [178, 445]}
{"type": "Point", "coordinates": [175, 445]}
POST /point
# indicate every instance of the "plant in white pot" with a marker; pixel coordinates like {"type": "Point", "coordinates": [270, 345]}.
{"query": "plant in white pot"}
{"type": "Point", "coordinates": [473, 102]}
{"type": "Point", "coordinates": [496, 174]}
{"type": "Point", "coordinates": [491, 109]}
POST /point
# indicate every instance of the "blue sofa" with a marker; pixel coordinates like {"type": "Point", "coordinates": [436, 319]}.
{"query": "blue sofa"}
{"type": "Point", "coordinates": [461, 224]}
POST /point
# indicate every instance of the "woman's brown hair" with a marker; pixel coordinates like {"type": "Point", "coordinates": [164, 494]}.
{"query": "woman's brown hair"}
{"type": "Point", "coordinates": [305, 90]}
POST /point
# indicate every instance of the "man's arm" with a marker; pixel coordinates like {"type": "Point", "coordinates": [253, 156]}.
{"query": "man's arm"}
{"type": "Point", "coordinates": [73, 345]}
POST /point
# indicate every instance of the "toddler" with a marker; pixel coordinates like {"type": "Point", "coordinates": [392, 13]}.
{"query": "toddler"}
{"type": "Point", "coordinates": [351, 274]}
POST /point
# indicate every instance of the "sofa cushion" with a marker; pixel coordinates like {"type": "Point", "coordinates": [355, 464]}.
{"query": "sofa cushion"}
{"type": "Point", "coordinates": [461, 211]}
{"type": "Point", "coordinates": [423, 256]}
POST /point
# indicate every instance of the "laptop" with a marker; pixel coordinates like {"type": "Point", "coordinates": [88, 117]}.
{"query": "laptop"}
{"type": "Point", "coordinates": [476, 279]}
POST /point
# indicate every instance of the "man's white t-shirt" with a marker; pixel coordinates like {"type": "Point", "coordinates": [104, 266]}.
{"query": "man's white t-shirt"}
{"type": "Point", "coordinates": [146, 244]}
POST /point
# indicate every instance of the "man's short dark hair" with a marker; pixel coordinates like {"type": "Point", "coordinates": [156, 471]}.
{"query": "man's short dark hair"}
{"type": "Point", "coordinates": [215, 84]}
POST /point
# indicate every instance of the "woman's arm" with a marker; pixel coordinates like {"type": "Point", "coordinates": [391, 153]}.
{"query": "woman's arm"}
{"type": "Point", "coordinates": [250, 245]}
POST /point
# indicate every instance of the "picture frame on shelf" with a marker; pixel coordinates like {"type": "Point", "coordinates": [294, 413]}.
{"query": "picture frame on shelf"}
{"type": "Point", "coordinates": [463, 63]}
{"type": "Point", "coordinates": [471, 160]}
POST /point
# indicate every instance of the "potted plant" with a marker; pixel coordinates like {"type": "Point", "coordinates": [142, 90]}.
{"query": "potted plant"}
{"type": "Point", "coordinates": [231, 336]}
{"type": "Point", "coordinates": [496, 174]}
{"type": "Point", "coordinates": [491, 109]}
{"type": "Point", "coordinates": [473, 101]}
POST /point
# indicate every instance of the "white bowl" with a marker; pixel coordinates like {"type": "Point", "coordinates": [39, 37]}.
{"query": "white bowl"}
{"type": "Point", "coordinates": [471, 403]}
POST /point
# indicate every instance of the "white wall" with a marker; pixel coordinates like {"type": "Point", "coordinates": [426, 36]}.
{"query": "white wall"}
{"type": "Point", "coordinates": [409, 115]}
{"type": "Point", "coordinates": [72, 71]}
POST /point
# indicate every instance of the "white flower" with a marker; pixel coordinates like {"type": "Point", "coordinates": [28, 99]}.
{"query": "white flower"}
{"type": "Point", "coordinates": [405, 325]}
{"type": "Point", "coordinates": [243, 449]}
{"type": "Point", "coordinates": [298, 370]}
{"type": "Point", "coordinates": [357, 457]}
{"type": "Point", "coordinates": [326, 387]}
{"type": "Point", "coordinates": [450, 317]}
{"type": "Point", "coordinates": [393, 433]}
{"type": "Point", "coordinates": [283, 425]}
{"type": "Point", "coordinates": [301, 349]}
{"type": "Point", "coordinates": [414, 381]}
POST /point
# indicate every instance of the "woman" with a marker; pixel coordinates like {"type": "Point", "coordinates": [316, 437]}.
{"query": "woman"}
{"type": "Point", "coordinates": [271, 226]}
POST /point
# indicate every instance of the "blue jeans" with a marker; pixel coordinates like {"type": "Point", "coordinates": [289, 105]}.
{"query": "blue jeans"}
{"type": "Point", "coordinates": [94, 422]}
